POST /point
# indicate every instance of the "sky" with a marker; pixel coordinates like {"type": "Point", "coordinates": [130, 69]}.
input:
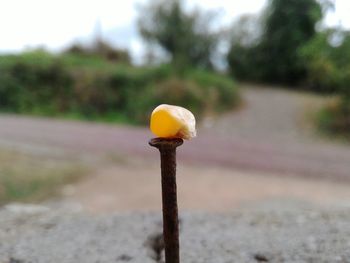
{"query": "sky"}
{"type": "Point", "coordinates": [55, 24]}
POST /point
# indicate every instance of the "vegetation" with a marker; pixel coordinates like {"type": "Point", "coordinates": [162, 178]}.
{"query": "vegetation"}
{"type": "Point", "coordinates": [328, 60]}
{"type": "Point", "coordinates": [271, 55]}
{"type": "Point", "coordinates": [187, 37]}
{"type": "Point", "coordinates": [287, 49]}
{"type": "Point", "coordinates": [100, 49]}
{"type": "Point", "coordinates": [92, 87]}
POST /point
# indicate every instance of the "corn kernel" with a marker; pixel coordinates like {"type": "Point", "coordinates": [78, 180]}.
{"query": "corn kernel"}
{"type": "Point", "coordinates": [168, 121]}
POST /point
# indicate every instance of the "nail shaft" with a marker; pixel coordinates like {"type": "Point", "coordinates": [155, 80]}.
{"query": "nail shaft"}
{"type": "Point", "coordinates": [167, 149]}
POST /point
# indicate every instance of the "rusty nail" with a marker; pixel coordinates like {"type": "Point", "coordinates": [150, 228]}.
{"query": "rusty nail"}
{"type": "Point", "coordinates": [167, 149]}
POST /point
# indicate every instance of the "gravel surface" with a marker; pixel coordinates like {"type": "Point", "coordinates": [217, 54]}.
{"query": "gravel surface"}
{"type": "Point", "coordinates": [283, 231]}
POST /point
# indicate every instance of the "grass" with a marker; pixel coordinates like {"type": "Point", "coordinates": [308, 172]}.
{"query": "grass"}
{"type": "Point", "coordinates": [31, 178]}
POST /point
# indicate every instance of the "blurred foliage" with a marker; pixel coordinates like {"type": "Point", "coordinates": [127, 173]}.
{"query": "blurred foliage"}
{"type": "Point", "coordinates": [244, 54]}
{"type": "Point", "coordinates": [335, 119]}
{"type": "Point", "coordinates": [289, 25]}
{"type": "Point", "coordinates": [101, 49]}
{"type": "Point", "coordinates": [327, 58]}
{"type": "Point", "coordinates": [187, 37]}
{"type": "Point", "coordinates": [283, 46]}
{"type": "Point", "coordinates": [271, 54]}
{"type": "Point", "coordinates": [34, 82]}
{"type": "Point", "coordinates": [92, 87]}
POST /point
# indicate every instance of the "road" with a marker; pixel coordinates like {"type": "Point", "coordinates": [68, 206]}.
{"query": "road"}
{"type": "Point", "coordinates": [265, 135]}
{"type": "Point", "coordinates": [269, 135]}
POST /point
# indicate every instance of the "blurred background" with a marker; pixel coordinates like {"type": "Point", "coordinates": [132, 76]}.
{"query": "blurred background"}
{"type": "Point", "coordinates": [268, 82]}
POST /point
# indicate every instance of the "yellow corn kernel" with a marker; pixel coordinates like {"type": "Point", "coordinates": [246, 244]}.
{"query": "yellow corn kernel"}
{"type": "Point", "coordinates": [168, 121]}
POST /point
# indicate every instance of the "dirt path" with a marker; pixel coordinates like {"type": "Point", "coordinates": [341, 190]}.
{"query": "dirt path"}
{"type": "Point", "coordinates": [136, 187]}
{"type": "Point", "coordinates": [268, 136]}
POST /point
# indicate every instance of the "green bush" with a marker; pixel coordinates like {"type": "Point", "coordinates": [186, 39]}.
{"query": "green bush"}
{"type": "Point", "coordinates": [328, 65]}
{"type": "Point", "coordinates": [220, 91]}
{"type": "Point", "coordinates": [180, 92]}
{"type": "Point", "coordinates": [329, 71]}
{"type": "Point", "coordinates": [89, 87]}
{"type": "Point", "coordinates": [34, 83]}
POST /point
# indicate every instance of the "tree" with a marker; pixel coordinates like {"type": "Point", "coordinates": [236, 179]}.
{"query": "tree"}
{"type": "Point", "coordinates": [289, 25]}
{"type": "Point", "coordinates": [243, 55]}
{"type": "Point", "coordinates": [274, 55]}
{"type": "Point", "coordinates": [186, 37]}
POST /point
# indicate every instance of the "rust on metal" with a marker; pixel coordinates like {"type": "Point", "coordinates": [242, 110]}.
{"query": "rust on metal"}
{"type": "Point", "coordinates": [167, 149]}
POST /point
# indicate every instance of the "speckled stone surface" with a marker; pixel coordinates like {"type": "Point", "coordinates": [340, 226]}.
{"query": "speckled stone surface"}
{"type": "Point", "coordinates": [281, 231]}
{"type": "Point", "coordinates": [44, 236]}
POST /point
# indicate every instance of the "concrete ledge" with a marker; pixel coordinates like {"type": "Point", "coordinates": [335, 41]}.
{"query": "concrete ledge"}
{"type": "Point", "coordinates": [267, 232]}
